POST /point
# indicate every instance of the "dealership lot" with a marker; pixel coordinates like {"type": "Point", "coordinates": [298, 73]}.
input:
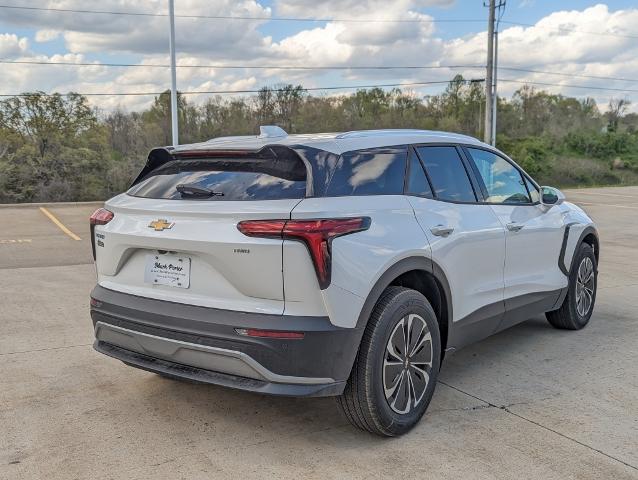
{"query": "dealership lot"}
{"type": "Point", "coordinates": [530, 402]}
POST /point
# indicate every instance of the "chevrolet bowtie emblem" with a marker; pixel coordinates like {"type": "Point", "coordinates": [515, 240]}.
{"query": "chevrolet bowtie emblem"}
{"type": "Point", "coordinates": [160, 224]}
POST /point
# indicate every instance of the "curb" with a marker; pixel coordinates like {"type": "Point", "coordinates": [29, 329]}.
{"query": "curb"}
{"type": "Point", "coordinates": [51, 204]}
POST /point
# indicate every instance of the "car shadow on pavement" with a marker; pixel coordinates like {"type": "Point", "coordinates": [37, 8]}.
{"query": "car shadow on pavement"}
{"type": "Point", "coordinates": [218, 410]}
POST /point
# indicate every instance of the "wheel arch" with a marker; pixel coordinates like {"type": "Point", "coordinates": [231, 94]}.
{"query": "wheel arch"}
{"type": "Point", "coordinates": [591, 238]}
{"type": "Point", "coordinates": [423, 275]}
{"type": "Point", "coordinates": [589, 235]}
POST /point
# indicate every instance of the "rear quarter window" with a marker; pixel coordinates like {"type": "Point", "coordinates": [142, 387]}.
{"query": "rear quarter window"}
{"type": "Point", "coordinates": [378, 171]}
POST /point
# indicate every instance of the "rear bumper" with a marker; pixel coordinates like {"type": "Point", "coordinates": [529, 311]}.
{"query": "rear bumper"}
{"type": "Point", "coordinates": [201, 344]}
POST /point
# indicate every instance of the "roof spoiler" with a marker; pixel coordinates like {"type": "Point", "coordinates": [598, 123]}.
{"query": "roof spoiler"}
{"type": "Point", "coordinates": [159, 156]}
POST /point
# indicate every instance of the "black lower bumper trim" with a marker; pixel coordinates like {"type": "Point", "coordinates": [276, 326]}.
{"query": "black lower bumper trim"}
{"type": "Point", "coordinates": [194, 374]}
{"type": "Point", "coordinates": [325, 352]}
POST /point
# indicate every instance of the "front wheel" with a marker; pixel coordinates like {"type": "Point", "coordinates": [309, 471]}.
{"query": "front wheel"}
{"type": "Point", "coordinates": [395, 372]}
{"type": "Point", "coordinates": [578, 305]}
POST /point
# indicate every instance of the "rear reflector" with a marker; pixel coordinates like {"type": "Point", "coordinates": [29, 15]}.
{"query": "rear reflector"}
{"type": "Point", "coordinates": [95, 303]}
{"type": "Point", "coordinates": [101, 216]}
{"type": "Point", "coordinates": [317, 234]}
{"type": "Point", "coordinates": [253, 332]}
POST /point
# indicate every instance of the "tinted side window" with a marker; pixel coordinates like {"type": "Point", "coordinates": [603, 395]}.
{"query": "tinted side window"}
{"type": "Point", "coordinates": [447, 173]}
{"type": "Point", "coordinates": [368, 172]}
{"type": "Point", "coordinates": [417, 181]}
{"type": "Point", "coordinates": [503, 181]}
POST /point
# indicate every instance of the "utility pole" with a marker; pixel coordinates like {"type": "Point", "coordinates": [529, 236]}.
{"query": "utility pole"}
{"type": "Point", "coordinates": [489, 103]}
{"type": "Point", "coordinates": [491, 95]}
{"type": "Point", "coordinates": [174, 126]}
{"type": "Point", "coordinates": [494, 93]}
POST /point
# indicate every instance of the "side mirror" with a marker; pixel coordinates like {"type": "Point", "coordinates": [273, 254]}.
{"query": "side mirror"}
{"type": "Point", "coordinates": [551, 196]}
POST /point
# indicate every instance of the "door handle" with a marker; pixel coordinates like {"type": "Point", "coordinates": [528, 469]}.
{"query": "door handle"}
{"type": "Point", "coordinates": [441, 231]}
{"type": "Point", "coordinates": [514, 227]}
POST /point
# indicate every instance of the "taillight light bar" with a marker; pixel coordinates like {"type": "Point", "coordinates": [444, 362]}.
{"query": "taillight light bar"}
{"type": "Point", "coordinates": [101, 216]}
{"type": "Point", "coordinates": [316, 234]}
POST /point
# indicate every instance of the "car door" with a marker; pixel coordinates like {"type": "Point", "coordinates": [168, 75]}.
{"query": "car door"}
{"type": "Point", "coordinates": [533, 235]}
{"type": "Point", "coordinates": [466, 237]}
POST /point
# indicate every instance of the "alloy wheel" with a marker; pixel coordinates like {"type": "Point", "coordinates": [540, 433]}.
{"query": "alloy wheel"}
{"type": "Point", "coordinates": [407, 364]}
{"type": "Point", "coordinates": [585, 287]}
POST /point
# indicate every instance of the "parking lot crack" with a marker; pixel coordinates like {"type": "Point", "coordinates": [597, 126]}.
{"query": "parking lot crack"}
{"type": "Point", "coordinates": [506, 408]}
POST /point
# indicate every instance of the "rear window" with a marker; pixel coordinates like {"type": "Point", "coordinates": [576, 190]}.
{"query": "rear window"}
{"type": "Point", "coordinates": [378, 171]}
{"type": "Point", "coordinates": [219, 179]}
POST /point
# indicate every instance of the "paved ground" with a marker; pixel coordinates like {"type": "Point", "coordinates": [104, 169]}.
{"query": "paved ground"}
{"type": "Point", "coordinates": [530, 402]}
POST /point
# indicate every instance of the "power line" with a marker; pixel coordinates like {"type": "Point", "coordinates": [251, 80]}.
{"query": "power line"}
{"type": "Point", "coordinates": [293, 67]}
{"type": "Point", "coordinates": [244, 17]}
{"type": "Point", "coordinates": [340, 87]}
{"type": "Point", "coordinates": [566, 85]}
{"type": "Point", "coordinates": [312, 20]}
{"type": "Point", "coordinates": [545, 72]}
{"type": "Point", "coordinates": [572, 30]}
{"type": "Point", "coordinates": [206, 92]}
{"type": "Point", "coordinates": [336, 67]}
{"type": "Point", "coordinates": [260, 67]}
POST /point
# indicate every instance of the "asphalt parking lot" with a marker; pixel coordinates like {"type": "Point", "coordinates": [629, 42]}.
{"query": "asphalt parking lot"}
{"type": "Point", "coordinates": [530, 402]}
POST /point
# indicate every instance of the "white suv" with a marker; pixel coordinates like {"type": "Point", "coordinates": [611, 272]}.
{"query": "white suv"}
{"type": "Point", "coordinates": [340, 265]}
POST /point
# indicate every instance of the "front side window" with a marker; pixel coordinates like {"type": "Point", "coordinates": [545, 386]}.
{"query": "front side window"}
{"type": "Point", "coordinates": [533, 191]}
{"type": "Point", "coordinates": [447, 173]}
{"type": "Point", "coordinates": [502, 180]}
{"type": "Point", "coordinates": [378, 171]}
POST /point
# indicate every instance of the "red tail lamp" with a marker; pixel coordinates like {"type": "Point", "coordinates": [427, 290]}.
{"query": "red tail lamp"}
{"type": "Point", "coordinates": [317, 234]}
{"type": "Point", "coordinates": [101, 216]}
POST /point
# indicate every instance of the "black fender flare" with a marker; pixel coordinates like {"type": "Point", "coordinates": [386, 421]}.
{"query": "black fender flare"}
{"type": "Point", "coordinates": [399, 268]}
{"type": "Point", "coordinates": [561, 257]}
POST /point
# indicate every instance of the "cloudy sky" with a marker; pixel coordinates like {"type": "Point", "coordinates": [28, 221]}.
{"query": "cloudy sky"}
{"type": "Point", "coordinates": [580, 38]}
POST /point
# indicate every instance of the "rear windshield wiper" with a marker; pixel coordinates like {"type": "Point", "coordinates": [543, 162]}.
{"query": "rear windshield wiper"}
{"type": "Point", "coordinates": [195, 191]}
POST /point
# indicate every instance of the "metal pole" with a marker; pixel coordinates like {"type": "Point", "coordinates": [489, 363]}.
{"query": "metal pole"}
{"type": "Point", "coordinates": [495, 94]}
{"type": "Point", "coordinates": [487, 133]}
{"type": "Point", "coordinates": [174, 126]}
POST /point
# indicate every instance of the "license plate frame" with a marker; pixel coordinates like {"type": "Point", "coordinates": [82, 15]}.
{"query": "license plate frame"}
{"type": "Point", "coordinates": [168, 269]}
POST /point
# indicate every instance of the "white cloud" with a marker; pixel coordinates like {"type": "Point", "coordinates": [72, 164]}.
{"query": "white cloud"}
{"type": "Point", "coordinates": [378, 9]}
{"type": "Point", "coordinates": [540, 47]}
{"type": "Point", "coordinates": [561, 42]}
{"type": "Point", "coordinates": [85, 33]}
{"type": "Point", "coordinates": [11, 45]}
{"type": "Point", "coordinates": [46, 35]}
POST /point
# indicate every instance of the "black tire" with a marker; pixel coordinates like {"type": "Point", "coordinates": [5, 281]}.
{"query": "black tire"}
{"type": "Point", "coordinates": [567, 317]}
{"type": "Point", "coordinates": [364, 400]}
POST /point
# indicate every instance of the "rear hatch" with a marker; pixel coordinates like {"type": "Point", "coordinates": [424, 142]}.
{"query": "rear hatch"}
{"type": "Point", "coordinates": [174, 234]}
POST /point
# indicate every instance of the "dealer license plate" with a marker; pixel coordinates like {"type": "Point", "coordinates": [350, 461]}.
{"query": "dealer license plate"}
{"type": "Point", "coordinates": [165, 269]}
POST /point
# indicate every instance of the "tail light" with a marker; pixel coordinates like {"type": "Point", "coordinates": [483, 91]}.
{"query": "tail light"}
{"type": "Point", "coordinates": [317, 234]}
{"type": "Point", "coordinates": [101, 216]}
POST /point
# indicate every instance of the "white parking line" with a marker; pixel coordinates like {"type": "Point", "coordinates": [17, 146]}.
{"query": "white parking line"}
{"type": "Point", "coordinates": [59, 224]}
{"type": "Point", "coordinates": [579, 192]}
{"type": "Point", "coordinates": [607, 205]}
{"type": "Point", "coordinates": [15, 240]}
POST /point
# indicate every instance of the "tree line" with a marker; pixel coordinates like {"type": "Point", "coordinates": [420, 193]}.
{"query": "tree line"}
{"type": "Point", "coordinates": [59, 148]}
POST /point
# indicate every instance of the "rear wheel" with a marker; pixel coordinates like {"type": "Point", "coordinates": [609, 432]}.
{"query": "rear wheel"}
{"type": "Point", "coordinates": [578, 305]}
{"type": "Point", "coordinates": [395, 372]}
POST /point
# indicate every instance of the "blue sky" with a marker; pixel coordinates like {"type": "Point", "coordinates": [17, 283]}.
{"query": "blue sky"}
{"type": "Point", "coordinates": [76, 37]}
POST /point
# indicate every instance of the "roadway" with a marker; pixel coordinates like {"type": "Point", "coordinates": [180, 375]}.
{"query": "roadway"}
{"type": "Point", "coordinates": [530, 402]}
